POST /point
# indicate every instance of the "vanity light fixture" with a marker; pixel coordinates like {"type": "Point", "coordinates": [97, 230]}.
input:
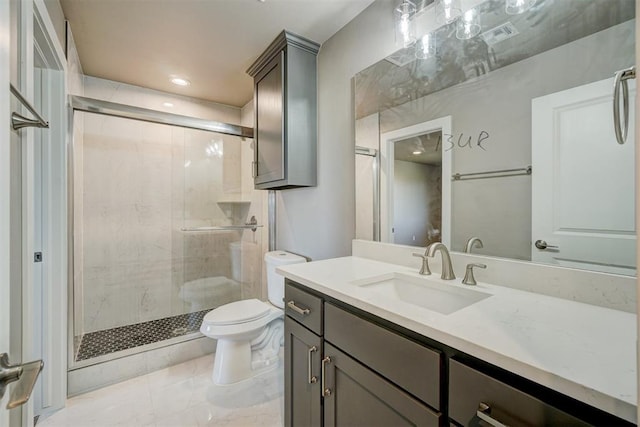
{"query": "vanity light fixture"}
{"type": "Point", "coordinates": [448, 11]}
{"type": "Point", "coordinates": [469, 25]}
{"type": "Point", "coordinates": [516, 7]}
{"type": "Point", "coordinates": [404, 22]}
{"type": "Point", "coordinates": [180, 81]}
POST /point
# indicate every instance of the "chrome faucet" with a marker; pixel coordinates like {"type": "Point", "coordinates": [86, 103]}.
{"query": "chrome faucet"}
{"type": "Point", "coordinates": [473, 242]}
{"type": "Point", "coordinates": [447, 268]}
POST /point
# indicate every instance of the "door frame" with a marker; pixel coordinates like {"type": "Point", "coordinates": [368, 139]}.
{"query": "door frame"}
{"type": "Point", "coordinates": [387, 139]}
{"type": "Point", "coordinates": [5, 178]}
{"type": "Point", "coordinates": [50, 292]}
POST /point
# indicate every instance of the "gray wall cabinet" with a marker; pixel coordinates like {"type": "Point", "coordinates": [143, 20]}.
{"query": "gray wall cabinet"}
{"type": "Point", "coordinates": [346, 367]}
{"type": "Point", "coordinates": [285, 98]}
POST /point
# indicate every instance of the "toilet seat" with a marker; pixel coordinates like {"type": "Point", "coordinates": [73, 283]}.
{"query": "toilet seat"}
{"type": "Point", "coordinates": [237, 312]}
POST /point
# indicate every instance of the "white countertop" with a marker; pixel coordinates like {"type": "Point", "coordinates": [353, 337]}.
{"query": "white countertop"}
{"type": "Point", "coordinates": [581, 350]}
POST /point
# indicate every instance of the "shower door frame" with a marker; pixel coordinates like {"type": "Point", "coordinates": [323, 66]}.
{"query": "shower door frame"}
{"type": "Point", "coordinates": [97, 106]}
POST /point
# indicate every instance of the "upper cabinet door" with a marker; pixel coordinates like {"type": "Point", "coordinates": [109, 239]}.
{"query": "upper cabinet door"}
{"type": "Point", "coordinates": [285, 114]}
{"type": "Point", "coordinates": [269, 151]}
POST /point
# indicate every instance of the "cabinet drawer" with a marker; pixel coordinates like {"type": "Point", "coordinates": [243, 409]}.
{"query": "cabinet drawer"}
{"type": "Point", "coordinates": [469, 388]}
{"type": "Point", "coordinates": [303, 307]}
{"type": "Point", "coordinates": [404, 362]}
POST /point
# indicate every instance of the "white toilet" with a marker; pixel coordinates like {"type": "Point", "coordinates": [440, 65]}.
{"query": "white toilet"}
{"type": "Point", "coordinates": [250, 332]}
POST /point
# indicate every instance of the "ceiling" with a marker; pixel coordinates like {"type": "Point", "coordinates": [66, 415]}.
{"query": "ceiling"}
{"type": "Point", "coordinates": [211, 43]}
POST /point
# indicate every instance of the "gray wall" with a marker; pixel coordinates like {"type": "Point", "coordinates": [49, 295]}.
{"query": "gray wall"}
{"type": "Point", "coordinates": [318, 222]}
{"type": "Point", "coordinates": [415, 188]}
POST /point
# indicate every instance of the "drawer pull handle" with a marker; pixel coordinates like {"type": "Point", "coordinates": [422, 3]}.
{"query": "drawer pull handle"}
{"type": "Point", "coordinates": [484, 412]}
{"type": "Point", "coordinates": [326, 392]}
{"type": "Point", "coordinates": [312, 378]}
{"type": "Point", "coordinates": [303, 311]}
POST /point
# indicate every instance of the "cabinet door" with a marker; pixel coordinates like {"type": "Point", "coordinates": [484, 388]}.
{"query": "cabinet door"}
{"type": "Point", "coordinates": [356, 396]}
{"type": "Point", "coordinates": [269, 104]}
{"type": "Point", "coordinates": [302, 356]}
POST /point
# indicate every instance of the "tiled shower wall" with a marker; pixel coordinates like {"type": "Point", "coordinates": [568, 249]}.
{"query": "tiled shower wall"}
{"type": "Point", "coordinates": [140, 184]}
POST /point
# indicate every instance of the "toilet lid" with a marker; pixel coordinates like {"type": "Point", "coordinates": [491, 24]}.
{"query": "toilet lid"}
{"type": "Point", "coordinates": [237, 312]}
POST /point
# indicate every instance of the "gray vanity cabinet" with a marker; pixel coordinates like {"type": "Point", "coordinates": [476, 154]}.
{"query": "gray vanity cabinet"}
{"type": "Point", "coordinates": [344, 367]}
{"type": "Point", "coordinates": [285, 97]}
{"type": "Point", "coordinates": [341, 370]}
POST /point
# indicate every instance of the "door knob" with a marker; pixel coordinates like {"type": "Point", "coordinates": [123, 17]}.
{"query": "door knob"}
{"type": "Point", "coordinates": [26, 376]}
{"type": "Point", "coordinates": [541, 244]}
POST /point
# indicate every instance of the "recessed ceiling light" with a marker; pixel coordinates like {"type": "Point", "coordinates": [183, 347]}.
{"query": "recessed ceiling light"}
{"type": "Point", "coordinates": [167, 104]}
{"type": "Point", "coordinates": [180, 81]}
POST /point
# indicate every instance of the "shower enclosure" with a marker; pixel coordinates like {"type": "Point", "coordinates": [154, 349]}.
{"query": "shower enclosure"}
{"type": "Point", "coordinates": [163, 227]}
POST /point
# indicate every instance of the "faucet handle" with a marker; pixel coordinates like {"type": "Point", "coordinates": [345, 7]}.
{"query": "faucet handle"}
{"type": "Point", "coordinates": [468, 275]}
{"type": "Point", "coordinates": [424, 270]}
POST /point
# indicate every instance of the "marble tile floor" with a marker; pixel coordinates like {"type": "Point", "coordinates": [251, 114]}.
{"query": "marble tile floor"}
{"type": "Point", "coordinates": [182, 395]}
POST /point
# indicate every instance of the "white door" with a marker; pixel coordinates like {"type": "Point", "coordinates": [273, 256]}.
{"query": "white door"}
{"type": "Point", "coordinates": [589, 218]}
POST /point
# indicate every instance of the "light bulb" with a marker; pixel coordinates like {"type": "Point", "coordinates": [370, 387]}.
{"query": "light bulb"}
{"type": "Point", "coordinates": [469, 25]}
{"type": "Point", "coordinates": [404, 23]}
{"type": "Point", "coordinates": [448, 11]}
{"type": "Point", "coordinates": [516, 7]}
{"type": "Point", "coordinates": [427, 47]}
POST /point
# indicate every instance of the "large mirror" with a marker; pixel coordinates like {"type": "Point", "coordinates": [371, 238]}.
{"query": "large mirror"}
{"type": "Point", "coordinates": [499, 126]}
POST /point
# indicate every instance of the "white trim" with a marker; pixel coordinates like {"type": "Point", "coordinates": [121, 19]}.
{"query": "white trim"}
{"type": "Point", "coordinates": [51, 312]}
{"type": "Point", "coordinates": [5, 193]}
{"type": "Point", "coordinates": [442, 124]}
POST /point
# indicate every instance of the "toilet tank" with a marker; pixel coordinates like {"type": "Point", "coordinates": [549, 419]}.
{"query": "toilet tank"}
{"type": "Point", "coordinates": [275, 282]}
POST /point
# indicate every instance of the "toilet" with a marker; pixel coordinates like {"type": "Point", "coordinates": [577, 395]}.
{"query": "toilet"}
{"type": "Point", "coordinates": [250, 332]}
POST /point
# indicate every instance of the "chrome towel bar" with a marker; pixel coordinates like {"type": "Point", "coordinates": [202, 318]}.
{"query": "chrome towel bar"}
{"type": "Point", "coordinates": [251, 227]}
{"type": "Point", "coordinates": [492, 174]}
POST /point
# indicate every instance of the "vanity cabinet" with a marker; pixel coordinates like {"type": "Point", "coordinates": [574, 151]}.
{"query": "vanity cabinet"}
{"type": "Point", "coordinates": [285, 98]}
{"type": "Point", "coordinates": [346, 367]}
{"type": "Point", "coordinates": [343, 370]}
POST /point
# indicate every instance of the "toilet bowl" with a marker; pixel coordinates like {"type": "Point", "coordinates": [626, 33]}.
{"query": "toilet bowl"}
{"type": "Point", "coordinates": [250, 332]}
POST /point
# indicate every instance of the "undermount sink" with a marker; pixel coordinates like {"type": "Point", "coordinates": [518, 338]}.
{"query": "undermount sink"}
{"type": "Point", "coordinates": [425, 293]}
